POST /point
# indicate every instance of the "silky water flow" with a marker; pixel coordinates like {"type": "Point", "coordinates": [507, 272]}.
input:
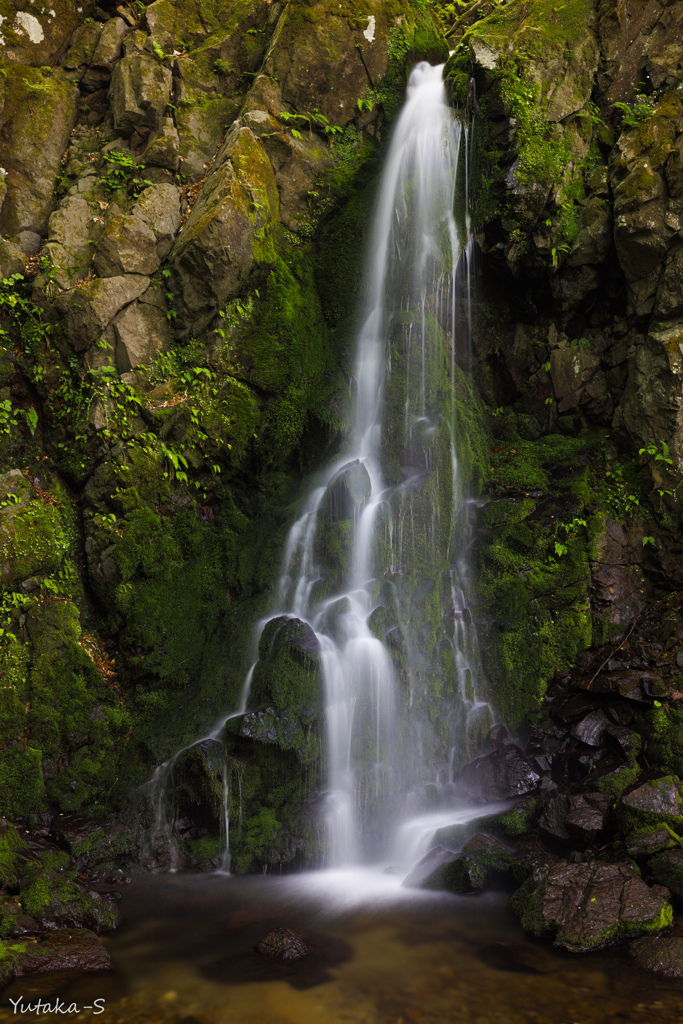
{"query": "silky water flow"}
{"type": "Point", "coordinates": [397, 645]}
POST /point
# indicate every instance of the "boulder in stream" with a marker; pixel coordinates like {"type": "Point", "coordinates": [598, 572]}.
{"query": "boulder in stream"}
{"type": "Point", "coordinates": [661, 955]}
{"type": "Point", "coordinates": [588, 906]}
{"type": "Point", "coordinates": [283, 944]}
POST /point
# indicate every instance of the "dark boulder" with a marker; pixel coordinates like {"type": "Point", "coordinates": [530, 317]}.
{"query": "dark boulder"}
{"type": "Point", "coordinates": [645, 842]}
{"type": "Point", "coordinates": [661, 955]}
{"type": "Point", "coordinates": [500, 775]}
{"type": "Point", "coordinates": [283, 944]}
{"type": "Point", "coordinates": [587, 816]}
{"type": "Point", "coordinates": [590, 729]}
{"type": "Point", "coordinates": [653, 803]}
{"type": "Point", "coordinates": [667, 868]}
{"type": "Point", "coordinates": [587, 906]}
{"type": "Point", "coordinates": [553, 821]}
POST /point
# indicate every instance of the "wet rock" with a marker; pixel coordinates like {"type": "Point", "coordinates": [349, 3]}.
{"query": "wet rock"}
{"type": "Point", "coordinates": [142, 332]}
{"type": "Point", "coordinates": [587, 906]}
{"type": "Point", "coordinates": [628, 740]}
{"type": "Point", "coordinates": [669, 302]}
{"type": "Point", "coordinates": [283, 944]}
{"type": "Point", "coordinates": [347, 492]}
{"type": "Point", "coordinates": [667, 868]}
{"type": "Point", "coordinates": [461, 875]}
{"type": "Point", "coordinates": [127, 246]}
{"type": "Point", "coordinates": [36, 120]}
{"type": "Point", "coordinates": [495, 858]}
{"type": "Point", "coordinates": [594, 235]}
{"type": "Point", "coordinates": [106, 54]}
{"type": "Point", "coordinates": [323, 953]}
{"type": "Point", "coordinates": [89, 309]}
{"type": "Point", "coordinates": [139, 92]}
{"type": "Point", "coordinates": [586, 816]}
{"type": "Point", "coordinates": [76, 833]}
{"type": "Point", "coordinates": [429, 865]}
{"type": "Point", "coordinates": [61, 950]}
{"type": "Point", "coordinates": [553, 820]}
{"type": "Point", "coordinates": [653, 803]}
{"type": "Point", "coordinates": [499, 734]}
{"type": "Point", "coordinates": [659, 954]}
{"type": "Point", "coordinates": [500, 775]}
{"type": "Point", "coordinates": [648, 841]}
{"type": "Point", "coordinates": [590, 729]}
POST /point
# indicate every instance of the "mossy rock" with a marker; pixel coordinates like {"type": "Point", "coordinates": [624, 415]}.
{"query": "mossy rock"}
{"type": "Point", "coordinates": [288, 672]}
{"type": "Point", "coordinates": [588, 906]}
{"type": "Point", "coordinates": [667, 869]}
{"type": "Point", "coordinates": [32, 537]}
{"type": "Point", "coordinates": [659, 802]}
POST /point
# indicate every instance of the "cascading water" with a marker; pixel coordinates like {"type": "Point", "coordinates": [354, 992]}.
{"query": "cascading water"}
{"type": "Point", "coordinates": [374, 564]}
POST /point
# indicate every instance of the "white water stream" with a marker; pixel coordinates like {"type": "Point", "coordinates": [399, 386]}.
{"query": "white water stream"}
{"type": "Point", "coordinates": [387, 777]}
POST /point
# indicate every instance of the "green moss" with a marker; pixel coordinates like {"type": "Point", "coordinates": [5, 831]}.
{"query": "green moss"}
{"type": "Point", "coordinates": [12, 845]}
{"type": "Point", "coordinates": [616, 782]}
{"type": "Point", "coordinates": [514, 822]}
{"type": "Point", "coordinates": [32, 540]}
{"type": "Point", "coordinates": [662, 732]}
{"type": "Point", "coordinates": [667, 869]}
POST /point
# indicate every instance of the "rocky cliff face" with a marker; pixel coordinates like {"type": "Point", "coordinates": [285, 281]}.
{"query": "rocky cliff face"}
{"type": "Point", "coordinates": [185, 191]}
{"type": "Point", "coordinates": [183, 199]}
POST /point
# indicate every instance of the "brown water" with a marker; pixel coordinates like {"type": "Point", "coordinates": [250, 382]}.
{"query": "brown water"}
{"type": "Point", "coordinates": [380, 955]}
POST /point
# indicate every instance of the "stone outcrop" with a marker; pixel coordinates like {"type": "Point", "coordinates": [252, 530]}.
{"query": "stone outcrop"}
{"type": "Point", "coordinates": [229, 231]}
{"type": "Point", "coordinates": [38, 114]}
{"type": "Point", "coordinates": [88, 310]}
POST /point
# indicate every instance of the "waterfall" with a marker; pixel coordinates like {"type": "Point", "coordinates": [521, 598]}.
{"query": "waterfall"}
{"type": "Point", "coordinates": [396, 642]}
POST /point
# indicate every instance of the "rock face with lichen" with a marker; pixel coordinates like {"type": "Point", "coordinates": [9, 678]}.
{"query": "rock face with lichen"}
{"type": "Point", "coordinates": [169, 368]}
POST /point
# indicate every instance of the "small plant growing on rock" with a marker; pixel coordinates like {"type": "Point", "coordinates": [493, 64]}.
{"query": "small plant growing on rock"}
{"type": "Point", "coordinates": [633, 113]}
{"type": "Point", "coordinates": [122, 172]}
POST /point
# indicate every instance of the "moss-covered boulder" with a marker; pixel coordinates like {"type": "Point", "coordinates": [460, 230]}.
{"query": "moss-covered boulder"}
{"type": "Point", "coordinates": [32, 537]}
{"type": "Point", "coordinates": [50, 896]}
{"type": "Point", "coordinates": [76, 719]}
{"type": "Point", "coordinates": [659, 802]}
{"type": "Point", "coordinates": [288, 673]}
{"type": "Point", "coordinates": [667, 868]}
{"type": "Point", "coordinates": [588, 906]}
{"type": "Point", "coordinates": [62, 950]}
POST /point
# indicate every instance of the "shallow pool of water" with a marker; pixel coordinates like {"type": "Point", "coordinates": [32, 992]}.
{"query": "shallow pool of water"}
{"type": "Point", "coordinates": [380, 954]}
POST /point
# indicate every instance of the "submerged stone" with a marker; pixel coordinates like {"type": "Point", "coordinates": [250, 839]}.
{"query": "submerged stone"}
{"type": "Point", "coordinates": [283, 944]}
